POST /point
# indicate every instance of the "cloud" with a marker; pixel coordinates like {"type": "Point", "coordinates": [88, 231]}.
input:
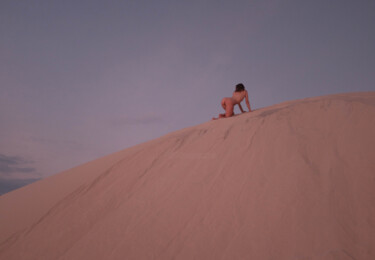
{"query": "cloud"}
{"type": "Point", "coordinates": [58, 142]}
{"type": "Point", "coordinates": [137, 120]}
{"type": "Point", "coordinates": [7, 185]}
{"type": "Point", "coordinates": [14, 164]}
{"type": "Point", "coordinates": [15, 172]}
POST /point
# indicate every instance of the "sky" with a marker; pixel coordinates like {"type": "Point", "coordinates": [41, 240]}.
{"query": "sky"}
{"type": "Point", "coordinates": [83, 79]}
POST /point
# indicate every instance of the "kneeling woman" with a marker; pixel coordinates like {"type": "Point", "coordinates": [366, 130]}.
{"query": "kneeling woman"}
{"type": "Point", "coordinates": [228, 103]}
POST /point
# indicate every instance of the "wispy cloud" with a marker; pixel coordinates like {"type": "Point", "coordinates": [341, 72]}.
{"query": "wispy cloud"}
{"type": "Point", "coordinates": [137, 120]}
{"type": "Point", "coordinates": [14, 164]}
{"type": "Point", "coordinates": [15, 172]}
{"type": "Point", "coordinates": [67, 142]}
{"type": "Point", "coordinates": [7, 185]}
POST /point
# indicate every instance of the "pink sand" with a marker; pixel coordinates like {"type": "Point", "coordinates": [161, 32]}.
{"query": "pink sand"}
{"type": "Point", "coordinates": [291, 181]}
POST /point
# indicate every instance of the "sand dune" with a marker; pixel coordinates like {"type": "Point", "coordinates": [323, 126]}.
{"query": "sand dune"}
{"type": "Point", "coordinates": [291, 181]}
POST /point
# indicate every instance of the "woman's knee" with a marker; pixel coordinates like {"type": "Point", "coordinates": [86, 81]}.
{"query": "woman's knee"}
{"type": "Point", "coordinates": [229, 111]}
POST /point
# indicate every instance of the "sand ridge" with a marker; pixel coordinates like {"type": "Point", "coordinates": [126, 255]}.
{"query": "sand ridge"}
{"type": "Point", "coordinates": [290, 181]}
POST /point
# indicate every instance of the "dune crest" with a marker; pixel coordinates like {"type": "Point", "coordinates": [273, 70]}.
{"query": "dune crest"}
{"type": "Point", "coordinates": [290, 181]}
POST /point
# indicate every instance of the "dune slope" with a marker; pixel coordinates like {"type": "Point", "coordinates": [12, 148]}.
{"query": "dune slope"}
{"type": "Point", "coordinates": [291, 181]}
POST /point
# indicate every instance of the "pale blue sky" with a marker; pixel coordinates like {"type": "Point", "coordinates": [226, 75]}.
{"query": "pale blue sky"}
{"type": "Point", "coordinates": [82, 79]}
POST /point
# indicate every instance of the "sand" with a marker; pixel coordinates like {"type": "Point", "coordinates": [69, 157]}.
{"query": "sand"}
{"type": "Point", "coordinates": [291, 181]}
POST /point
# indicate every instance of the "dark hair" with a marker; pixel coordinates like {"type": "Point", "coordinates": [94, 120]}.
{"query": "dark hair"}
{"type": "Point", "coordinates": [240, 87]}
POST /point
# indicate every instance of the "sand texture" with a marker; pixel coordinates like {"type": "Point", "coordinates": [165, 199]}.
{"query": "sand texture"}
{"type": "Point", "coordinates": [291, 181]}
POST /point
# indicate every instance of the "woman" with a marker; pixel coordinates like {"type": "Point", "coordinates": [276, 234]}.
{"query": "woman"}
{"type": "Point", "coordinates": [228, 103]}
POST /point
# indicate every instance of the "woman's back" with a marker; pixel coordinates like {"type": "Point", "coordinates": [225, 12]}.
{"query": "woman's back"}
{"type": "Point", "coordinates": [239, 96]}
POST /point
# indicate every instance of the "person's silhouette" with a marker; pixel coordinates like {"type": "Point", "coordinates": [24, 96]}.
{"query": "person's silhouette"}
{"type": "Point", "coordinates": [228, 103]}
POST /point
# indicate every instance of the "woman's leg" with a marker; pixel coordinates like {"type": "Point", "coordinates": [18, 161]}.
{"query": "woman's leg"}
{"type": "Point", "coordinates": [223, 103]}
{"type": "Point", "coordinates": [228, 106]}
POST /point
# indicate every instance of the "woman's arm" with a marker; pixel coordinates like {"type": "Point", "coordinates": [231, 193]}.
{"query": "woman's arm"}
{"type": "Point", "coordinates": [239, 104]}
{"type": "Point", "coordinates": [247, 101]}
